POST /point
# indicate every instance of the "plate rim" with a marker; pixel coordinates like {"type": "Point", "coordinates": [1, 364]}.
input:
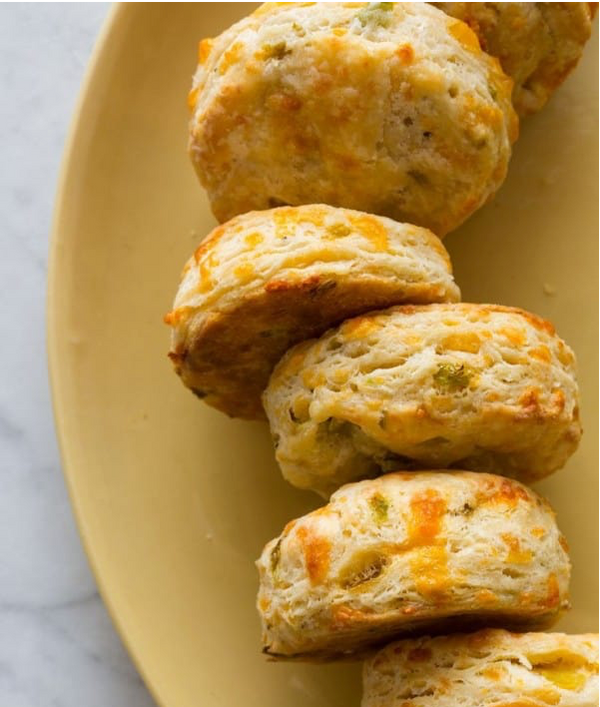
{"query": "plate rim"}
{"type": "Point", "coordinates": [55, 269]}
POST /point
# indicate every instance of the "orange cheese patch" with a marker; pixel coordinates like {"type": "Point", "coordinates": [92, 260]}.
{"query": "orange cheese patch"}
{"type": "Point", "coordinates": [468, 342]}
{"type": "Point", "coordinates": [175, 316]}
{"type": "Point", "coordinates": [504, 492]}
{"type": "Point", "coordinates": [493, 673]}
{"type": "Point", "coordinates": [204, 49]}
{"type": "Point", "coordinates": [206, 260]}
{"type": "Point", "coordinates": [490, 115]}
{"type": "Point", "coordinates": [312, 378]}
{"type": "Point", "coordinates": [285, 219]}
{"type": "Point", "coordinates": [192, 96]}
{"type": "Point", "coordinates": [244, 272]}
{"type": "Point", "coordinates": [208, 243]}
{"type": "Point", "coordinates": [429, 562]}
{"type": "Point", "coordinates": [230, 57]}
{"type": "Point", "coordinates": [411, 339]}
{"type": "Point", "coordinates": [553, 596]}
{"type": "Point", "coordinates": [405, 53]}
{"type": "Point", "coordinates": [289, 527]}
{"type": "Point", "coordinates": [542, 353]}
{"type": "Point", "coordinates": [530, 402]}
{"type": "Point", "coordinates": [314, 215]}
{"type": "Point", "coordinates": [546, 696]}
{"type": "Point", "coordinates": [284, 102]}
{"type": "Point", "coordinates": [253, 239]}
{"type": "Point", "coordinates": [344, 615]}
{"type": "Point", "coordinates": [372, 229]}
{"type": "Point", "coordinates": [316, 551]}
{"type": "Point", "coordinates": [485, 596]}
{"type": "Point", "coordinates": [558, 399]}
{"type": "Point", "coordinates": [295, 362]}
{"type": "Point", "coordinates": [360, 327]}
{"type": "Point", "coordinates": [429, 568]}
{"type": "Point", "coordinates": [514, 335]}
{"type": "Point", "coordinates": [516, 555]}
{"type": "Point", "coordinates": [205, 268]}
{"type": "Point", "coordinates": [565, 356]}
{"type": "Point", "coordinates": [425, 520]}
{"type": "Point", "coordinates": [465, 35]}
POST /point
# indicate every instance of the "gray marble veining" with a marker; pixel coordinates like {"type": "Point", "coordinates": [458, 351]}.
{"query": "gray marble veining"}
{"type": "Point", "coordinates": [57, 645]}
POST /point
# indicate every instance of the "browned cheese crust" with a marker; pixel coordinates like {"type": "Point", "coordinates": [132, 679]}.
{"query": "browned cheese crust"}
{"type": "Point", "coordinates": [389, 108]}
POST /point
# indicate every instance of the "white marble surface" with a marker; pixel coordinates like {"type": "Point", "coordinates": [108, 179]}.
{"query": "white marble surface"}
{"type": "Point", "coordinates": [57, 645]}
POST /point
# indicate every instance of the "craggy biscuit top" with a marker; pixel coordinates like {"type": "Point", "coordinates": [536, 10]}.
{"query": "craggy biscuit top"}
{"type": "Point", "coordinates": [406, 551]}
{"type": "Point", "coordinates": [268, 279]}
{"type": "Point", "coordinates": [389, 108]}
{"type": "Point", "coordinates": [491, 667]}
{"type": "Point", "coordinates": [483, 387]}
{"type": "Point", "coordinates": [537, 43]}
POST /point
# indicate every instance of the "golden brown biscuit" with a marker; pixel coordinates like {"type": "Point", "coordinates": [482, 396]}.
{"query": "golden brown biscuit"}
{"type": "Point", "coordinates": [411, 553]}
{"type": "Point", "coordinates": [490, 668]}
{"type": "Point", "coordinates": [268, 279]}
{"type": "Point", "coordinates": [389, 108]}
{"type": "Point", "coordinates": [538, 43]}
{"type": "Point", "coordinates": [473, 386]}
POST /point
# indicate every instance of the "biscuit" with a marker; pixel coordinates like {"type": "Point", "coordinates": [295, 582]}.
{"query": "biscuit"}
{"type": "Point", "coordinates": [538, 43]}
{"type": "Point", "coordinates": [268, 279]}
{"type": "Point", "coordinates": [470, 386]}
{"type": "Point", "coordinates": [388, 108]}
{"type": "Point", "coordinates": [411, 553]}
{"type": "Point", "coordinates": [492, 668]}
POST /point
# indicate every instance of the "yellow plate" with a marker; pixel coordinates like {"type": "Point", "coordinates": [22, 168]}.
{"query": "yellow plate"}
{"type": "Point", "coordinates": [174, 500]}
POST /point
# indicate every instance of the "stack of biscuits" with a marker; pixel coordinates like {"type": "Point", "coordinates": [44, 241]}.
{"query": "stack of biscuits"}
{"type": "Point", "coordinates": [338, 142]}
